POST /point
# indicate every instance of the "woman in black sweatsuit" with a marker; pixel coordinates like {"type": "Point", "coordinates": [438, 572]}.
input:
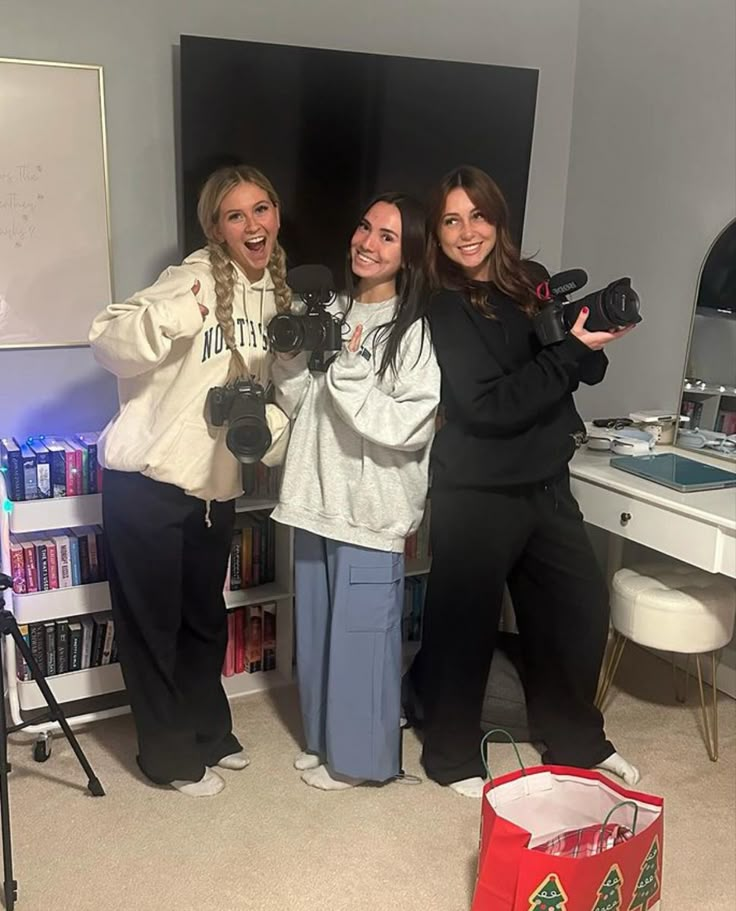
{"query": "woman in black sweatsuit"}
{"type": "Point", "coordinates": [502, 510]}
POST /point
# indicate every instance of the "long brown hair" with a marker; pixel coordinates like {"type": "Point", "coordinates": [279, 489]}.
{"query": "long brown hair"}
{"type": "Point", "coordinates": [508, 272]}
{"type": "Point", "coordinates": [215, 189]}
{"type": "Point", "coordinates": [410, 282]}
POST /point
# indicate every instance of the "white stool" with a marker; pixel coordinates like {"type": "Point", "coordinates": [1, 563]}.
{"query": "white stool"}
{"type": "Point", "coordinates": [672, 607]}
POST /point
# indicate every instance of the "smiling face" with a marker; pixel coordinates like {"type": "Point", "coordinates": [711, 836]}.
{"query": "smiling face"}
{"type": "Point", "coordinates": [466, 236]}
{"type": "Point", "coordinates": [375, 249]}
{"type": "Point", "coordinates": [248, 224]}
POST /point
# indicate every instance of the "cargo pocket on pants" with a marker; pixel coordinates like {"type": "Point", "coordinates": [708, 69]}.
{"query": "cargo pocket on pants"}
{"type": "Point", "coordinates": [374, 597]}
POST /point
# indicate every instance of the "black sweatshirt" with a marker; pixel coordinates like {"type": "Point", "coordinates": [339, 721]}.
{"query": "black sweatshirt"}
{"type": "Point", "coordinates": [508, 402]}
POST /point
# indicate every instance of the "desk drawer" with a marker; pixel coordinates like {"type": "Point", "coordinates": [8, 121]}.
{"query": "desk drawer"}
{"type": "Point", "coordinates": [668, 532]}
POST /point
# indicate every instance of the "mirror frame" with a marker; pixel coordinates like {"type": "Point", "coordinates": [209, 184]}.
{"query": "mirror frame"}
{"type": "Point", "coordinates": [730, 458]}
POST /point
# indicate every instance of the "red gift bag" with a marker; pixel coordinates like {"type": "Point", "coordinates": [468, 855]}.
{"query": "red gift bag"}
{"type": "Point", "coordinates": [532, 807]}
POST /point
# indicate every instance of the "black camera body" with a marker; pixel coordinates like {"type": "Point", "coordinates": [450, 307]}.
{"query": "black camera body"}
{"type": "Point", "coordinates": [611, 308]}
{"type": "Point", "coordinates": [314, 330]}
{"type": "Point", "coordinates": [242, 406]}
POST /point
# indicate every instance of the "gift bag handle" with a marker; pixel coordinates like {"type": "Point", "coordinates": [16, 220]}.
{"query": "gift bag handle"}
{"type": "Point", "coordinates": [484, 742]}
{"type": "Point", "coordinates": [624, 803]}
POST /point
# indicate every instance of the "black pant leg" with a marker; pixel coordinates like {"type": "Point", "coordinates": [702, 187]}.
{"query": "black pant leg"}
{"type": "Point", "coordinates": [562, 609]}
{"type": "Point", "coordinates": [476, 537]}
{"type": "Point", "coordinates": [144, 538]}
{"type": "Point", "coordinates": [202, 637]}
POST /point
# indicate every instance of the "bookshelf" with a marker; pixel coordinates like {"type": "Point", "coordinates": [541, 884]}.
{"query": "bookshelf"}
{"type": "Point", "coordinates": [280, 592]}
{"type": "Point", "coordinates": [84, 690]}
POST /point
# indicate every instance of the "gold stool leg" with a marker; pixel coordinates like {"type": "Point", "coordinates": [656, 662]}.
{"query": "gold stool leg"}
{"type": "Point", "coordinates": [680, 698]}
{"type": "Point", "coordinates": [610, 666]}
{"type": "Point", "coordinates": [710, 732]}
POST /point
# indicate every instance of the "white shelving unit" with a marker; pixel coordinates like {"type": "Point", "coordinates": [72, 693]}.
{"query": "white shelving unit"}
{"type": "Point", "coordinates": [281, 592]}
{"type": "Point", "coordinates": [77, 687]}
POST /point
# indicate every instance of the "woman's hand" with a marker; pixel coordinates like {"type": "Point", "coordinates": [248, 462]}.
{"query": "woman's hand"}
{"type": "Point", "coordinates": [595, 340]}
{"type": "Point", "coordinates": [354, 342]}
{"type": "Point", "coordinates": [202, 309]}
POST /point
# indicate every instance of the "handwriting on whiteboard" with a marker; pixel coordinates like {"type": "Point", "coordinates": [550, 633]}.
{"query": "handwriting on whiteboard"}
{"type": "Point", "coordinates": [21, 199]}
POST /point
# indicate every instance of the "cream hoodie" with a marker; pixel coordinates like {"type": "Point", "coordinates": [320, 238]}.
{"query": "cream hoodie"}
{"type": "Point", "coordinates": [166, 358]}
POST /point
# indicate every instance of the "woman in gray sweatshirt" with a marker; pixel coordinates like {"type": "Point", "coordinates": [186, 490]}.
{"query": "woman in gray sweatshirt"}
{"type": "Point", "coordinates": [354, 487]}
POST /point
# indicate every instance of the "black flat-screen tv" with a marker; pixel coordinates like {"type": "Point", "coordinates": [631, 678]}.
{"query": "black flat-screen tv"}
{"type": "Point", "coordinates": [333, 128]}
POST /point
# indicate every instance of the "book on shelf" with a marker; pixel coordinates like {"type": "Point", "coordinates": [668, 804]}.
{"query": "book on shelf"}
{"type": "Point", "coordinates": [70, 556]}
{"type": "Point", "coordinates": [269, 636]}
{"type": "Point", "coordinates": [11, 463]}
{"type": "Point", "coordinates": [262, 482]}
{"type": "Point", "coordinates": [693, 410]}
{"type": "Point", "coordinates": [30, 484]}
{"type": "Point", "coordinates": [23, 672]}
{"type": "Point", "coordinates": [415, 590]}
{"type": "Point", "coordinates": [253, 638]}
{"type": "Point", "coordinates": [251, 645]}
{"type": "Point", "coordinates": [228, 666]}
{"type": "Point", "coordinates": [238, 641]}
{"type": "Point", "coordinates": [253, 552]}
{"type": "Point", "coordinates": [726, 422]}
{"type": "Point", "coordinates": [75, 646]}
{"type": "Point", "coordinates": [417, 546]}
{"type": "Point", "coordinates": [51, 466]}
{"type": "Point", "coordinates": [43, 468]}
{"type": "Point", "coordinates": [69, 644]}
{"type": "Point", "coordinates": [62, 646]}
{"type": "Point", "coordinates": [92, 470]}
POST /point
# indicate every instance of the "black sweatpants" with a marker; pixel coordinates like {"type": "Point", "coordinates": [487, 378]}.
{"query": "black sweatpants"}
{"type": "Point", "coordinates": [532, 538]}
{"type": "Point", "coordinates": [166, 569]}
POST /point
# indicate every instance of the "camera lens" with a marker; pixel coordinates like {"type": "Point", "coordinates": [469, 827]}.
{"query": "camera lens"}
{"type": "Point", "coordinates": [248, 438]}
{"type": "Point", "coordinates": [613, 307]}
{"type": "Point", "coordinates": [286, 333]}
{"type": "Point", "coordinates": [620, 304]}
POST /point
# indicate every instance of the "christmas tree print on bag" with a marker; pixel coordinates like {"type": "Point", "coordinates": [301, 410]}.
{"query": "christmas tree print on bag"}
{"type": "Point", "coordinates": [550, 896]}
{"type": "Point", "coordinates": [648, 883]}
{"type": "Point", "coordinates": [545, 806]}
{"type": "Point", "coordinates": [609, 891]}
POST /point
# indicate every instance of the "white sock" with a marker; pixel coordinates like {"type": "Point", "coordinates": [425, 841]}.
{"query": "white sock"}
{"type": "Point", "coordinates": [619, 766]}
{"type": "Point", "coordinates": [321, 778]}
{"type": "Point", "coordinates": [469, 787]}
{"type": "Point", "coordinates": [235, 761]}
{"type": "Point", "coordinates": [306, 761]}
{"type": "Point", "coordinates": [207, 786]}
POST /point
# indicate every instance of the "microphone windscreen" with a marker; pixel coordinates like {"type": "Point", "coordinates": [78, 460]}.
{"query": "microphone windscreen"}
{"type": "Point", "coordinates": [311, 279]}
{"type": "Point", "coordinates": [566, 282]}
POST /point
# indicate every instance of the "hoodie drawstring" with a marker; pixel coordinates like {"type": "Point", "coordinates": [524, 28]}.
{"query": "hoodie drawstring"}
{"type": "Point", "coordinates": [207, 520]}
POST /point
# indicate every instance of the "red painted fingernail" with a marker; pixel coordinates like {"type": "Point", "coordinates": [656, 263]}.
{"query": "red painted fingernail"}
{"type": "Point", "coordinates": [586, 311]}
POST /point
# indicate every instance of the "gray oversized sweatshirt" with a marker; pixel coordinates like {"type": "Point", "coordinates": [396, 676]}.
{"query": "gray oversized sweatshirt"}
{"type": "Point", "coordinates": [356, 469]}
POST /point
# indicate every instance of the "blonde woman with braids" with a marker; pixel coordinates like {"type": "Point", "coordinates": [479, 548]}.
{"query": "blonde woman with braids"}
{"type": "Point", "coordinates": [170, 481]}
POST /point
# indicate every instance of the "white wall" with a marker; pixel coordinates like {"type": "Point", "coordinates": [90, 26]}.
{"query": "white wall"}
{"type": "Point", "coordinates": [652, 176]}
{"type": "Point", "coordinates": [652, 182]}
{"type": "Point", "coordinates": [62, 390]}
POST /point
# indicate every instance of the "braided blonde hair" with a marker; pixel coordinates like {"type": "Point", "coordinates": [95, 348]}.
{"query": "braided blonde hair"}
{"type": "Point", "coordinates": [215, 189]}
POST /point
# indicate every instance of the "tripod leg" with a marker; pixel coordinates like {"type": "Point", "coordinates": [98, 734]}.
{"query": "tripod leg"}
{"type": "Point", "coordinates": [56, 713]}
{"type": "Point", "coordinates": [10, 886]}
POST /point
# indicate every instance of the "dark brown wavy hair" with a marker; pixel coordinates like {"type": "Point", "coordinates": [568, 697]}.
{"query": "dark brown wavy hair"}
{"type": "Point", "coordinates": [508, 271]}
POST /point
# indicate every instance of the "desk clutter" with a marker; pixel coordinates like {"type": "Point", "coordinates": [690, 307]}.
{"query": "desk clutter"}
{"type": "Point", "coordinates": [632, 441]}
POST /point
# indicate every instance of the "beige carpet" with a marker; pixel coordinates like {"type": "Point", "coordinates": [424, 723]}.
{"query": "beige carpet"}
{"type": "Point", "coordinates": [269, 842]}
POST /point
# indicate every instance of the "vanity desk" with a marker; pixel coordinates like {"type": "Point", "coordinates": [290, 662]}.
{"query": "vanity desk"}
{"type": "Point", "coordinates": [698, 527]}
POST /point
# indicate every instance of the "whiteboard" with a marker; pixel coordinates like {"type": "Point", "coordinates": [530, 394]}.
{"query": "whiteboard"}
{"type": "Point", "coordinates": [54, 216]}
